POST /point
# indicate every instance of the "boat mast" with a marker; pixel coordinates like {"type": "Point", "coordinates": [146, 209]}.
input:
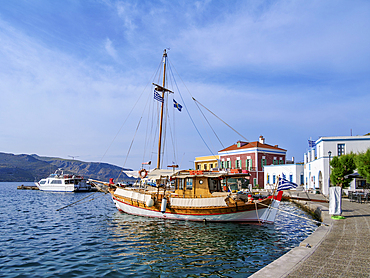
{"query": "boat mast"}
{"type": "Point", "coordinates": [162, 107]}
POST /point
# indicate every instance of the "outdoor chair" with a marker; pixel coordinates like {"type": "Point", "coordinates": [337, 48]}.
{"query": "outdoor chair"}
{"type": "Point", "coordinates": [359, 198]}
{"type": "Point", "coordinates": [367, 198]}
{"type": "Point", "coordinates": [351, 196]}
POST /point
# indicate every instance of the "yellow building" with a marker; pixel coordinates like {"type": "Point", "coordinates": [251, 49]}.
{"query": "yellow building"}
{"type": "Point", "coordinates": [206, 162]}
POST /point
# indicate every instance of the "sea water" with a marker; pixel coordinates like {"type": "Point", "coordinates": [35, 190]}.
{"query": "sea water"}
{"type": "Point", "coordinates": [93, 239]}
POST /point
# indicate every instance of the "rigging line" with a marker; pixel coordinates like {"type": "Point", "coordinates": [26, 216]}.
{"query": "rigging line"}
{"type": "Point", "coordinates": [172, 140]}
{"type": "Point", "coordinates": [154, 128]}
{"type": "Point", "coordinates": [215, 156]}
{"type": "Point", "coordinates": [128, 115]}
{"type": "Point", "coordinates": [207, 108]}
{"type": "Point", "coordinates": [220, 119]}
{"type": "Point", "coordinates": [157, 73]}
{"type": "Point", "coordinates": [129, 149]}
{"type": "Point", "coordinates": [187, 111]}
{"type": "Point", "coordinates": [146, 136]}
{"type": "Point", "coordinates": [173, 123]}
{"type": "Point", "coordinates": [166, 117]}
{"type": "Point", "coordinates": [210, 127]}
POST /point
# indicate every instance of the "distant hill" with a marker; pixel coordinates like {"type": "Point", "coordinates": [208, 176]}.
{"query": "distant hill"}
{"type": "Point", "coordinates": [25, 167]}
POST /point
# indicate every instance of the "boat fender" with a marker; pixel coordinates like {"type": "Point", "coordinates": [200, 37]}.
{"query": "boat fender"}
{"type": "Point", "coordinates": [143, 173]}
{"type": "Point", "coordinates": [149, 203]}
{"type": "Point", "coordinates": [250, 199]}
{"type": "Point", "coordinates": [164, 205]}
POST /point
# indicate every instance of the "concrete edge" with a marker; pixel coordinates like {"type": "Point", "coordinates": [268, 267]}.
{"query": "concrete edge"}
{"type": "Point", "coordinates": [291, 260]}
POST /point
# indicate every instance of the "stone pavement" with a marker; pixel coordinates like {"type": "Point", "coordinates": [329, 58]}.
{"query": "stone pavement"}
{"type": "Point", "coordinates": [339, 250]}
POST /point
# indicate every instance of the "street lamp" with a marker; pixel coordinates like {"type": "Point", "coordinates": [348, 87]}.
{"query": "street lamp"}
{"type": "Point", "coordinates": [329, 153]}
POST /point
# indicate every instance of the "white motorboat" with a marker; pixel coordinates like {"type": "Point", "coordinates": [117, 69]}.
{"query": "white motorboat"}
{"type": "Point", "coordinates": [60, 182]}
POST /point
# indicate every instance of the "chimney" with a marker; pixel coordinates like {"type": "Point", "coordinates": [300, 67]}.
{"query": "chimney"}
{"type": "Point", "coordinates": [262, 140]}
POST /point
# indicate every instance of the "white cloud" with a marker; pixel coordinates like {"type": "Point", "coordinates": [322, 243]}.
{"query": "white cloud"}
{"type": "Point", "coordinates": [110, 48]}
{"type": "Point", "coordinates": [287, 35]}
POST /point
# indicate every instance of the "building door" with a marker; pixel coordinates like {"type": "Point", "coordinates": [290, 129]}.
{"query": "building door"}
{"type": "Point", "coordinates": [320, 181]}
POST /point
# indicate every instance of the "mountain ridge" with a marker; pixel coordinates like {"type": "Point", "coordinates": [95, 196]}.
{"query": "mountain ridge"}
{"type": "Point", "coordinates": [24, 167]}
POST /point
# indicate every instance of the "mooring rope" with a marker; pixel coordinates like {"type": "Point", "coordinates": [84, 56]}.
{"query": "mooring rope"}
{"type": "Point", "coordinates": [255, 204]}
{"type": "Point", "coordinates": [313, 220]}
{"type": "Point", "coordinates": [105, 193]}
{"type": "Point", "coordinates": [76, 202]}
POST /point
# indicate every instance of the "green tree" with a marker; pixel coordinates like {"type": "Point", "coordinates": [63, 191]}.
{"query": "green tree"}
{"type": "Point", "coordinates": [362, 161]}
{"type": "Point", "coordinates": [342, 166]}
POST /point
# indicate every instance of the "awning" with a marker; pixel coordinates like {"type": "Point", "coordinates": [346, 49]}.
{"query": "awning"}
{"type": "Point", "coordinates": [353, 175]}
{"type": "Point", "coordinates": [132, 174]}
{"type": "Point", "coordinates": [158, 173]}
{"type": "Point", "coordinates": [152, 174]}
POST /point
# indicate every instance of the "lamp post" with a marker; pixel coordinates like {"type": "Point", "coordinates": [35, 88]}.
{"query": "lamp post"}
{"type": "Point", "coordinates": [329, 153]}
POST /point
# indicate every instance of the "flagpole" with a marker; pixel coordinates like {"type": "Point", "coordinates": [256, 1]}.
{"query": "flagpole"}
{"type": "Point", "coordinates": [276, 185]}
{"type": "Point", "coordinates": [273, 195]}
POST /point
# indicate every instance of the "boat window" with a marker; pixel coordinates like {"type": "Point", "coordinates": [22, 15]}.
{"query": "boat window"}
{"type": "Point", "coordinates": [56, 182]}
{"type": "Point", "coordinates": [214, 185]}
{"type": "Point", "coordinates": [180, 184]}
{"type": "Point", "coordinates": [42, 182]}
{"type": "Point", "coordinates": [236, 184]}
{"type": "Point", "coordinates": [189, 183]}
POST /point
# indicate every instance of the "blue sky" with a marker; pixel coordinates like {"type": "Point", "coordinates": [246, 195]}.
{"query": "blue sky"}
{"type": "Point", "coordinates": [71, 71]}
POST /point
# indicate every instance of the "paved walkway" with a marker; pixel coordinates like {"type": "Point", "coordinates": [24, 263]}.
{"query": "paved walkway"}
{"type": "Point", "coordinates": [339, 250]}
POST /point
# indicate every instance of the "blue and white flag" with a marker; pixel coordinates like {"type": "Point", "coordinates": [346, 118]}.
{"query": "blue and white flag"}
{"type": "Point", "coordinates": [157, 96]}
{"type": "Point", "coordinates": [311, 143]}
{"type": "Point", "coordinates": [177, 105]}
{"type": "Point", "coordinates": [285, 184]}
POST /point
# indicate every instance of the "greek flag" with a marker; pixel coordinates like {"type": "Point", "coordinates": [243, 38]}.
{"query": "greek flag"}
{"type": "Point", "coordinates": [285, 184]}
{"type": "Point", "coordinates": [177, 105]}
{"type": "Point", "coordinates": [311, 143]}
{"type": "Point", "coordinates": [157, 96]}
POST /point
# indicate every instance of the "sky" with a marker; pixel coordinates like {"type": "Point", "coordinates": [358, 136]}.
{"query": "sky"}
{"type": "Point", "coordinates": [73, 75]}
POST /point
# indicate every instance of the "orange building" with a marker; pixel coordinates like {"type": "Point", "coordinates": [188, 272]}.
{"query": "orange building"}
{"type": "Point", "coordinates": [206, 162]}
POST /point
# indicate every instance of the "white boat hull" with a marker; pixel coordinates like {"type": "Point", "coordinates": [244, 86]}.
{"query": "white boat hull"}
{"type": "Point", "coordinates": [243, 216]}
{"type": "Point", "coordinates": [56, 188]}
{"type": "Point", "coordinates": [63, 187]}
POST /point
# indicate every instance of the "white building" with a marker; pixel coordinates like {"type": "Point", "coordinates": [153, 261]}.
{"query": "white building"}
{"type": "Point", "coordinates": [291, 172]}
{"type": "Point", "coordinates": [316, 160]}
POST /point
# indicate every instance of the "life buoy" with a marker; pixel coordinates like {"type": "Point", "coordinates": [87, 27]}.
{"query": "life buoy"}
{"type": "Point", "coordinates": [143, 173]}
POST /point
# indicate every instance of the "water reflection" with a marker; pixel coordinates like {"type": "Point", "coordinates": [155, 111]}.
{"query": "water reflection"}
{"type": "Point", "coordinates": [193, 248]}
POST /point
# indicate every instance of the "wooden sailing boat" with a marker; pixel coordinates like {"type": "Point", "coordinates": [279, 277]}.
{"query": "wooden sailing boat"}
{"type": "Point", "coordinates": [191, 195]}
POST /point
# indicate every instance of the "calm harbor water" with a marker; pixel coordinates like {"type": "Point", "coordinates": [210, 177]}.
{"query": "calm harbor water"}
{"type": "Point", "coordinates": [93, 239]}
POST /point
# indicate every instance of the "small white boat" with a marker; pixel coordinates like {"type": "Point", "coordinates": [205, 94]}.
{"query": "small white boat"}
{"type": "Point", "coordinates": [60, 182]}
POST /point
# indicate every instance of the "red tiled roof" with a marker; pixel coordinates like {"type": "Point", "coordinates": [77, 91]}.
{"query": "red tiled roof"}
{"type": "Point", "coordinates": [249, 145]}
